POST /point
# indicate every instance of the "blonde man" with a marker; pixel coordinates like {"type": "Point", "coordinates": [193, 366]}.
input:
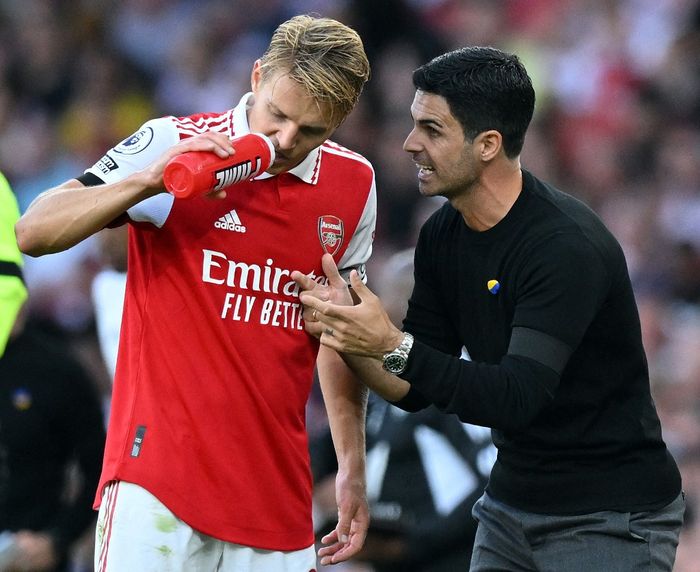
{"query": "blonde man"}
{"type": "Point", "coordinates": [206, 464]}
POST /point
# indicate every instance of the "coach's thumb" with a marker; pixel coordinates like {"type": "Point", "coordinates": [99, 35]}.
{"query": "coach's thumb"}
{"type": "Point", "coordinates": [359, 287]}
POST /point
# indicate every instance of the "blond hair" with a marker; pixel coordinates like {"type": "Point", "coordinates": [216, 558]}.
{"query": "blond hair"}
{"type": "Point", "coordinates": [324, 56]}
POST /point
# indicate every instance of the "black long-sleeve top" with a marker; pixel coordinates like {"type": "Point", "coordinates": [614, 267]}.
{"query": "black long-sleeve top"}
{"type": "Point", "coordinates": [558, 371]}
{"type": "Point", "coordinates": [50, 417]}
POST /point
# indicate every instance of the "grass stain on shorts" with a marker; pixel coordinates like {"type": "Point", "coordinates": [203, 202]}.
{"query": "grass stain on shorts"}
{"type": "Point", "coordinates": [165, 523]}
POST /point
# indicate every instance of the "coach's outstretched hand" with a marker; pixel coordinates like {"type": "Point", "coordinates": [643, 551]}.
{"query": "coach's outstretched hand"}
{"type": "Point", "coordinates": [364, 329]}
{"type": "Point", "coordinates": [336, 291]}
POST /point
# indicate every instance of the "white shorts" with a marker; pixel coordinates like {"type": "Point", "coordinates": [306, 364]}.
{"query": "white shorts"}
{"type": "Point", "coordinates": [135, 531]}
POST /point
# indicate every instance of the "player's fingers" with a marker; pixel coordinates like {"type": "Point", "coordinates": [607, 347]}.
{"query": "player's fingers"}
{"type": "Point", "coordinates": [343, 526]}
{"type": "Point", "coordinates": [327, 554]}
{"type": "Point", "coordinates": [333, 315]}
{"type": "Point", "coordinates": [218, 138]}
{"type": "Point", "coordinates": [345, 553]}
{"type": "Point", "coordinates": [327, 559]}
{"type": "Point", "coordinates": [308, 314]}
{"type": "Point", "coordinates": [302, 280]}
{"type": "Point", "coordinates": [349, 549]}
{"type": "Point", "coordinates": [217, 195]}
{"type": "Point", "coordinates": [325, 312]}
{"type": "Point", "coordinates": [330, 269]}
{"type": "Point", "coordinates": [312, 303]}
{"type": "Point", "coordinates": [330, 538]}
{"type": "Point", "coordinates": [210, 141]}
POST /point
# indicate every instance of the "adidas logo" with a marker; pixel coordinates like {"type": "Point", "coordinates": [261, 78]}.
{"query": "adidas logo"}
{"type": "Point", "coordinates": [230, 221]}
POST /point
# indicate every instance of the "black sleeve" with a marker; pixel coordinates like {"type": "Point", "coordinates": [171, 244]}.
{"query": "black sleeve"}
{"type": "Point", "coordinates": [413, 401]}
{"type": "Point", "coordinates": [502, 396]}
{"type": "Point", "coordinates": [81, 423]}
{"type": "Point", "coordinates": [560, 290]}
{"type": "Point", "coordinates": [426, 320]}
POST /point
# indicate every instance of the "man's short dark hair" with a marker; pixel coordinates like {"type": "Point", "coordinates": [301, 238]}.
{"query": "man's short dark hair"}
{"type": "Point", "coordinates": [485, 89]}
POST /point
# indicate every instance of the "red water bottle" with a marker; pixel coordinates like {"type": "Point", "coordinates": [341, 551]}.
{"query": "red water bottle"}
{"type": "Point", "coordinates": [200, 172]}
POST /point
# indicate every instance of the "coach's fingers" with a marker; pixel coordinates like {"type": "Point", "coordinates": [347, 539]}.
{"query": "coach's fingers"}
{"type": "Point", "coordinates": [360, 288]}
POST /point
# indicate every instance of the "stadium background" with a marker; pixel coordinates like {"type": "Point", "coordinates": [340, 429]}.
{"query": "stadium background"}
{"type": "Point", "coordinates": [617, 124]}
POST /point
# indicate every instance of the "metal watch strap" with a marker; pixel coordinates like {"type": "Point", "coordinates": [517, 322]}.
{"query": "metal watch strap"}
{"type": "Point", "coordinates": [395, 360]}
{"type": "Point", "coordinates": [405, 345]}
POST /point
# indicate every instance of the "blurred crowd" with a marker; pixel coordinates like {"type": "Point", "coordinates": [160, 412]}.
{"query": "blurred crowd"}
{"type": "Point", "coordinates": [617, 124]}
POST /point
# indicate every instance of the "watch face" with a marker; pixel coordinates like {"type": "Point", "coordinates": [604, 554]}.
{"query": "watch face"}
{"type": "Point", "coordinates": [395, 363]}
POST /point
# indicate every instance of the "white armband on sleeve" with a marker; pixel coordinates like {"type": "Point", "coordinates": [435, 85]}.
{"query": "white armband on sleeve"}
{"type": "Point", "coordinates": [360, 248]}
{"type": "Point", "coordinates": [134, 153]}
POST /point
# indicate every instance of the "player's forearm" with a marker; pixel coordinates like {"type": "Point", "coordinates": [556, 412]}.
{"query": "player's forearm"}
{"type": "Point", "coordinates": [370, 372]}
{"type": "Point", "coordinates": [346, 406]}
{"type": "Point", "coordinates": [65, 215]}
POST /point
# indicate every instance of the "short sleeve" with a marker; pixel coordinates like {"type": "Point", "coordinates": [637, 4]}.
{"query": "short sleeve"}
{"type": "Point", "coordinates": [134, 153]}
{"type": "Point", "coordinates": [359, 249]}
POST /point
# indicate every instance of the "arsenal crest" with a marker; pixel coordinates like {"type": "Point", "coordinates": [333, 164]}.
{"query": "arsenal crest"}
{"type": "Point", "coordinates": [330, 233]}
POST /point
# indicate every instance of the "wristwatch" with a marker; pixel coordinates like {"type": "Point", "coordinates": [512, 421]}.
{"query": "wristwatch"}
{"type": "Point", "coordinates": [395, 361]}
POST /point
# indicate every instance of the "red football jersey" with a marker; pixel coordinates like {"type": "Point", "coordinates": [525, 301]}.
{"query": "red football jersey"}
{"type": "Point", "coordinates": [214, 367]}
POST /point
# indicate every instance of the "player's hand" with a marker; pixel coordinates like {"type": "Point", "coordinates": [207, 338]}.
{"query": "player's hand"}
{"type": "Point", "coordinates": [348, 537]}
{"type": "Point", "coordinates": [335, 291]}
{"type": "Point", "coordinates": [209, 141]}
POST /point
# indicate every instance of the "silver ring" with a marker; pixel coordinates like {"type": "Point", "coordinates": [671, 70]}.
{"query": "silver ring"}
{"type": "Point", "coordinates": [313, 315]}
{"type": "Point", "coordinates": [328, 331]}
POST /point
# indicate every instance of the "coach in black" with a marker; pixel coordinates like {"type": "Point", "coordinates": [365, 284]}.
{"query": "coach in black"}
{"type": "Point", "coordinates": [533, 285]}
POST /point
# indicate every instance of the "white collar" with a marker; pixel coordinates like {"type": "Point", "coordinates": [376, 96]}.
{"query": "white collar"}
{"type": "Point", "coordinates": [307, 170]}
